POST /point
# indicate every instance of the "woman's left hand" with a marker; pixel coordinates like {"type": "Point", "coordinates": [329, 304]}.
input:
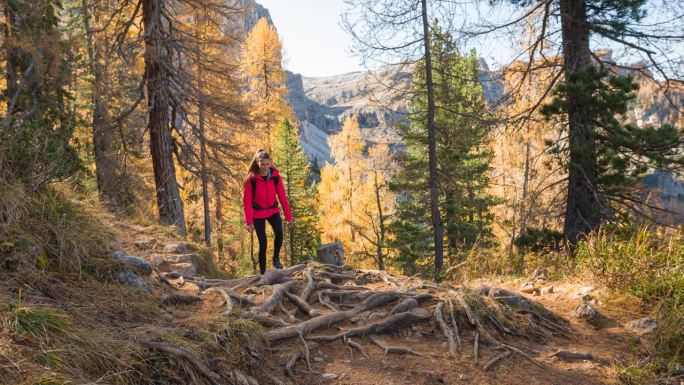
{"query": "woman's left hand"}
{"type": "Point", "coordinates": [290, 224]}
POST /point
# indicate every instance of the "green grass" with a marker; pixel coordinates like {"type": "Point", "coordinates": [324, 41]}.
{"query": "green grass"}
{"type": "Point", "coordinates": [648, 264]}
{"type": "Point", "coordinates": [36, 322]}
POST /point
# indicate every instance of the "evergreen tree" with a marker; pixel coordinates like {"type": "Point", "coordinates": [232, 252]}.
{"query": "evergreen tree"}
{"type": "Point", "coordinates": [463, 161]}
{"type": "Point", "coordinates": [38, 124]}
{"type": "Point", "coordinates": [289, 157]}
{"type": "Point", "coordinates": [604, 158]}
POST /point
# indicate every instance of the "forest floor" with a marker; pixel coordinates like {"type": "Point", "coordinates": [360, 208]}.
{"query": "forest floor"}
{"type": "Point", "coordinates": [321, 324]}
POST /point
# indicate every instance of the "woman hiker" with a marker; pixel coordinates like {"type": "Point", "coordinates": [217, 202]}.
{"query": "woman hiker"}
{"type": "Point", "coordinates": [262, 186]}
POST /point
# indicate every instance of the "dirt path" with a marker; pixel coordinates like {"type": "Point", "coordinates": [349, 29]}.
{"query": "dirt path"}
{"type": "Point", "coordinates": [608, 345]}
{"type": "Point", "coordinates": [114, 318]}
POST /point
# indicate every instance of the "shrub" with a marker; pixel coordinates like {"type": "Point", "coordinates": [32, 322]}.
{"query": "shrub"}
{"type": "Point", "coordinates": [649, 264]}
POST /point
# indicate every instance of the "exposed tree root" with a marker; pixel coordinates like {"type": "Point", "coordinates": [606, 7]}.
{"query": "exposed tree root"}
{"type": "Point", "coordinates": [394, 349]}
{"type": "Point", "coordinates": [289, 366]}
{"type": "Point", "coordinates": [573, 356]}
{"type": "Point", "coordinates": [211, 376]}
{"type": "Point", "coordinates": [178, 298]}
{"type": "Point", "coordinates": [454, 324]}
{"type": "Point", "coordinates": [307, 353]}
{"type": "Point", "coordinates": [328, 303]}
{"type": "Point", "coordinates": [445, 329]}
{"type": "Point", "coordinates": [276, 298]}
{"type": "Point", "coordinates": [356, 346]}
{"type": "Point", "coordinates": [388, 324]}
{"type": "Point", "coordinates": [302, 305]}
{"type": "Point", "coordinates": [496, 359]}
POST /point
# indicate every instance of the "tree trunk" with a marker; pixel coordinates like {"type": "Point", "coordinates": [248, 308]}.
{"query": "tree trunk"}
{"type": "Point", "coordinates": [108, 182]}
{"type": "Point", "coordinates": [218, 190]}
{"type": "Point", "coordinates": [169, 202]}
{"type": "Point", "coordinates": [381, 224]}
{"type": "Point", "coordinates": [583, 207]}
{"type": "Point", "coordinates": [432, 149]}
{"type": "Point", "coordinates": [204, 174]}
{"type": "Point", "coordinates": [12, 25]}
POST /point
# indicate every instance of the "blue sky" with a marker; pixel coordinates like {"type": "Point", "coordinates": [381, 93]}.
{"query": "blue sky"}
{"type": "Point", "coordinates": [316, 45]}
{"type": "Point", "coordinates": [314, 42]}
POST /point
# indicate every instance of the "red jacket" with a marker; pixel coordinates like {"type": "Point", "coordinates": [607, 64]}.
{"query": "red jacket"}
{"type": "Point", "coordinates": [265, 198]}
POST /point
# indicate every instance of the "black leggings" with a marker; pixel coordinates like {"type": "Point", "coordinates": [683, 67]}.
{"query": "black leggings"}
{"type": "Point", "coordinates": [260, 227]}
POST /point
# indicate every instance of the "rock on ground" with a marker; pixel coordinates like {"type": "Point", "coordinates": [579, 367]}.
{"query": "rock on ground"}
{"type": "Point", "coordinates": [177, 248]}
{"type": "Point", "coordinates": [130, 278]}
{"type": "Point", "coordinates": [588, 313]}
{"type": "Point", "coordinates": [134, 261]}
{"type": "Point", "coordinates": [185, 264]}
{"type": "Point", "coordinates": [642, 326]}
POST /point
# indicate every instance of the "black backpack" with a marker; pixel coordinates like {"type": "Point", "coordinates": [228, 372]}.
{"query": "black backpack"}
{"type": "Point", "coordinates": [252, 181]}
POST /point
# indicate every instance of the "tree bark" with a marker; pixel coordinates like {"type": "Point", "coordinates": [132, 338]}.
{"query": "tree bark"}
{"type": "Point", "coordinates": [109, 179]}
{"type": "Point", "coordinates": [218, 190]}
{"type": "Point", "coordinates": [381, 224]}
{"type": "Point", "coordinates": [169, 202]}
{"type": "Point", "coordinates": [204, 174]}
{"type": "Point", "coordinates": [432, 149]}
{"type": "Point", "coordinates": [583, 206]}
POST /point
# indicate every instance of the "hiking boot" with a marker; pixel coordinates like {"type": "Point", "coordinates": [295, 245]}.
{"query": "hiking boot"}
{"type": "Point", "coordinates": [277, 264]}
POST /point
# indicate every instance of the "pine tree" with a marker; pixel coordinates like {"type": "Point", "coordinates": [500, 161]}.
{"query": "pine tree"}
{"type": "Point", "coordinates": [38, 123]}
{"type": "Point", "coordinates": [597, 147]}
{"type": "Point", "coordinates": [462, 159]}
{"type": "Point", "coordinates": [289, 157]}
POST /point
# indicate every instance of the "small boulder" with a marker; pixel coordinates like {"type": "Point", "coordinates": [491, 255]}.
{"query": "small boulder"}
{"type": "Point", "coordinates": [509, 298]}
{"type": "Point", "coordinates": [588, 313]}
{"type": "Point", "coordinates": [184, 264]}
{"type": "Point", "coordinates": [642, 326]}
{"type": "Point", "coordinates": [546, 290]}
{"type": "Point", "coordinates": [528, 288]}
{"type": "Point", "coordinates": [146, 244]}
{"type": "Point", "coordinates": [463, 377]}
{"type": "Point", "coordinates": [130, 278]}
{"type": "Point", "coordinates": [177, 248]}
{"type": "Point", "coordinates": [134, 261]}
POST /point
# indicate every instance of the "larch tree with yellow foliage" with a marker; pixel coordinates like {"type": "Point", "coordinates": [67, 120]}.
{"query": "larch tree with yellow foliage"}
{"type": "Point", "coordinates": [266, 94]}
{"type": "Point", "coordinates": [346, 148]}
{"type": "Point", "coordinates": [376, 205]}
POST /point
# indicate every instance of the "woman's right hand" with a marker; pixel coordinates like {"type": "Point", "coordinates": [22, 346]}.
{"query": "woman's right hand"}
{"type": "Point", "coordinates": [250, 228]}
